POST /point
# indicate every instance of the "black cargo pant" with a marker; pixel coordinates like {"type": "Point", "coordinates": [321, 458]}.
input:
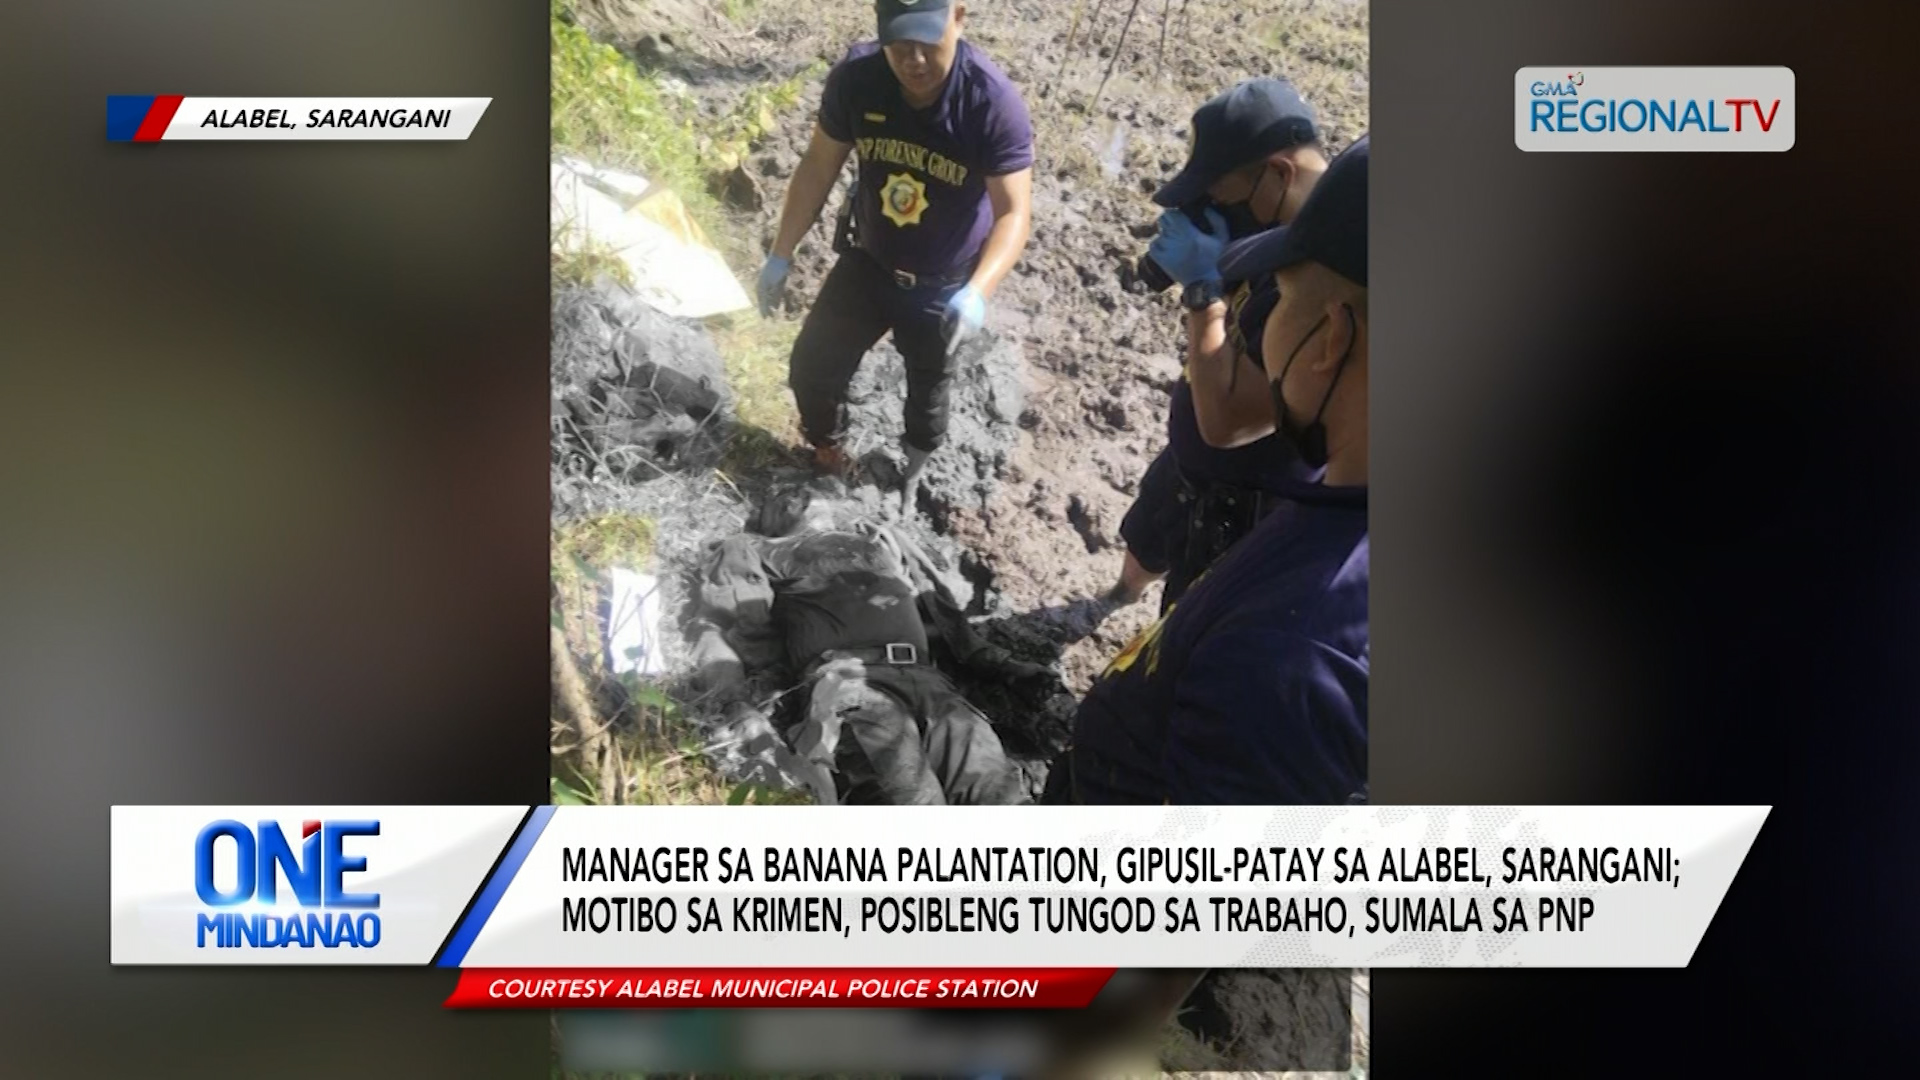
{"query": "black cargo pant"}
{"type": "Point", "coordinates": [1216, 517]}
{"type": "Point", "coordinates": [1154, 519]}
{"type": "Point", "coordinates": [1179, 525]}
{"type": "Point", "coordinates": [858, 303]}
{"type": "Point", "coordinates": [904, 736]}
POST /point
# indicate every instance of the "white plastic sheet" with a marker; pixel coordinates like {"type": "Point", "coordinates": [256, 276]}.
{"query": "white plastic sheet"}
{"type": "Point", "coordinates": [646, 226]}
{"type": "Point", "coordinates": [633, 625]}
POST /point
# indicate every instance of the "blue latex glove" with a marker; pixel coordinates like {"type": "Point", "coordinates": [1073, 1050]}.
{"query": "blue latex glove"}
{"type": "Point", "coordinates": [773, 279]}
{"type": "Point", "coordinates": [966, 314]}
{"type": "Point", "coordinates": [1187, 253]}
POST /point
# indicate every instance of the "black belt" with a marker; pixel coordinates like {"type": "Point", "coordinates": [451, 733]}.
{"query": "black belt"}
{"type": "Point", "coordinates": [1219, 514]}
{"type": "Point", "coordinates": [907, 280]}
{"type": "Point", "coordinates": [1221, 492]}
{"type": "Point", "coordinates": [913, 281]}
{"type": "Point", "coordinates": [898, 654]}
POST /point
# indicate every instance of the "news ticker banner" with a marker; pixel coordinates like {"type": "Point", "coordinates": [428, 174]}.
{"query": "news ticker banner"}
{"type": "Point", "coordinates": [696, 905]}
{"type": "Point", "coordinates": [175, 117]}
{"type": "Point", "coordinates": [1571, 108]}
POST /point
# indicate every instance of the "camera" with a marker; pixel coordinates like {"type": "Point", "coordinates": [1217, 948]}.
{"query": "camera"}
{"type": "Point", "coordinates": [1149, 273]}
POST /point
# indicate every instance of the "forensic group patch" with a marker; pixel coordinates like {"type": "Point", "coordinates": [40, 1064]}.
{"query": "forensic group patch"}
{"type": "Point", "coordinates": [903, 199]}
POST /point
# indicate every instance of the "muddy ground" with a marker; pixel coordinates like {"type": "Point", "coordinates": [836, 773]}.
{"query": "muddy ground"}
{"type": "Point", "coordinates": [1069, 403]}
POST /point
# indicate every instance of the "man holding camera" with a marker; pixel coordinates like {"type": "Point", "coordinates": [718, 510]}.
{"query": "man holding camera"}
{"type": "Point", "coordinates": [1255, 159]}
{"type": "Point", "coordinates": [1253, 691]}
{"type": "Point", "coordinates": [941, 212]}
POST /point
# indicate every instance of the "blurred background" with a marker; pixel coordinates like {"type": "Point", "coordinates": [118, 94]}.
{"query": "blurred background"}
{"type": "Point", "coordinates": [1646, 523]}
{"type": "Point", "coordinates": [1648, 518]}
{"type": "Point", "coordinates": [275, 476]}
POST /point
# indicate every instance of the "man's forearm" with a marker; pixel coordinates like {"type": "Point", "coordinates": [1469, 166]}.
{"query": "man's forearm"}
{"type": "Point", "coordinates": [1003, 248]}
{"type": "Point", "coordinates": [806, 194]}
{"type": "Point", "coordinates": [1208, 360]}
{"type": "Point", "coordinates": [1230, 406]}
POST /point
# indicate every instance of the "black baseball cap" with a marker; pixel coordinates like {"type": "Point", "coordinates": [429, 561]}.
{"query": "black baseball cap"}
{"type": "Point", "coordinates": [1250, 121]}
{"type": "Point", "coordinates": [1331, 229]}
{"type": "Point", "coordinates": [924, 21]}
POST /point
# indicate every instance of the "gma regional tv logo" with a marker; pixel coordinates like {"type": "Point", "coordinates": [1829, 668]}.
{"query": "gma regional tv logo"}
{"type": "Point", "coordinates": [1654, 108]}
{"type": "Point", "coordinates": [267, 892]}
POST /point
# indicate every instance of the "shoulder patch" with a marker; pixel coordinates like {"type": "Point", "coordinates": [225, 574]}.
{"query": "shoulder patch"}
{"type": "Point", "coordinates": [1147, 640]}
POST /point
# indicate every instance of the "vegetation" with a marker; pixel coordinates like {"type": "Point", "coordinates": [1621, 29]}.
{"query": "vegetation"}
{"type": "Point", "coordinates": [604, 110]}
{"type": "Point", "coordinates": [622, 738]}
{"type": "Point", "coordinates": [755, 351]}
{"type": "Point", "coordinates": [608, 111]}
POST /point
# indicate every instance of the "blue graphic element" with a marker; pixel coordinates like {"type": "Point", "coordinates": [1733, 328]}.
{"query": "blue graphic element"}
{"type": "Point", "coordinates": [495, 888]}
{"type": "Point", "coordinates": [124, 114]}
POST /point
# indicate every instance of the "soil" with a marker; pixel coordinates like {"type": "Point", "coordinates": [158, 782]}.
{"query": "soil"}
{"type": "Point", "coordinates": [1057, 417]}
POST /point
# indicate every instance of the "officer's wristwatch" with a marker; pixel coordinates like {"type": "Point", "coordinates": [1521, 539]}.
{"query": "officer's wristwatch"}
{"type": "Point", "coordinates": [1201, 294]}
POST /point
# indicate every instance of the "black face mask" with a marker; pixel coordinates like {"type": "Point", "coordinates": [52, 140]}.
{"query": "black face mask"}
{"type": "Point", "coordinates": [1310, 440]}
{"type": "Point", "coordinates": [1241, 222]}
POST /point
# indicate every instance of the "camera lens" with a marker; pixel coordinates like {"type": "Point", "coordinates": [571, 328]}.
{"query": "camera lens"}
{"type": "Point", "coordinates": [1151, 275]}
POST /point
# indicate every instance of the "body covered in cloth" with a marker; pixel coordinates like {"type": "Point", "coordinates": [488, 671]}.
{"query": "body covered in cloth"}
{"type": "Point", "coordinates": [855, 610]}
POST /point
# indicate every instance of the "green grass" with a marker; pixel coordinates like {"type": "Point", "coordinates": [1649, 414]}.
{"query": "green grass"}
{"type": "Point", "coordinates": [582, 262]}
{"type": "Point", "coordinates": [739, 11]}
{"type": "Point", "coordinates": [611, 113]}
{"type": "Point", "coordinates": [581, 550]}
{"type": "Point", "coordinates": [607, 112]}
{"type": "Point", "coordinates": [660, 757]}
{"type": "Point", "coordinates": [756, 352]}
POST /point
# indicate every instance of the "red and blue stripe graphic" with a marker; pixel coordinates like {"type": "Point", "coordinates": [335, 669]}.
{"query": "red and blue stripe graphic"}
{"type": "Point", "coordinates": [140, 117]}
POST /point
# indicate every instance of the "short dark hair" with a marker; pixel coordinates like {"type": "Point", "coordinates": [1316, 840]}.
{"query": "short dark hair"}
{"type": "Point", "coordinates": [781, 512]}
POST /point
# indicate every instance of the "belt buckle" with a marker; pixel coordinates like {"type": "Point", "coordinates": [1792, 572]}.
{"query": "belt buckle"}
{"type": "Point", "coordinates": [902, 655]}
{"type": "Point", "coordinates": [905, 280]}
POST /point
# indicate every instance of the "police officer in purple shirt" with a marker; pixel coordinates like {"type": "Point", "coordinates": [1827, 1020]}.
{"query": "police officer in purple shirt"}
{"type": "Point", "coordinates": [942, 211]}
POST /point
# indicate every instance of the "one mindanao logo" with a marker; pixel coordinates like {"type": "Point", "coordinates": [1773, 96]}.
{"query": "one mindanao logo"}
{"type": "Point", "coordinates": [1632, 108]}
{"type": "Point", "coordinates": [240, 871]}
{"type": "Point", "coordinates": [903, 199]}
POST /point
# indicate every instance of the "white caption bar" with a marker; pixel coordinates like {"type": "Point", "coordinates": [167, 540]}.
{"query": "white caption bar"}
{"type": "Point", "coordinates": [407, 118]}
{"type": "Point", "coordinates": [1650, 880]}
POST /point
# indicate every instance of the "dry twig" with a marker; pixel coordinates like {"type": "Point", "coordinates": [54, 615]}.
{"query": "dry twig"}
{"type": "Point", "coordinates": [1073, 29]}
{"type": "Point", "coordinates": [1166, 20]}
{"type": "Point", "coordinates": [576, 704]}
{"type": "Point", "coordinates": [1115, 58]}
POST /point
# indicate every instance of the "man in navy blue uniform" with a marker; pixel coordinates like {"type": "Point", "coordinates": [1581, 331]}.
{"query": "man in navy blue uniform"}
{"type": "Point", "coordinates": [941, 212]}
{"type": "Point", "coordinates": [1256, 157]}
{"type": "Point", "coordinates": [1253, 689]}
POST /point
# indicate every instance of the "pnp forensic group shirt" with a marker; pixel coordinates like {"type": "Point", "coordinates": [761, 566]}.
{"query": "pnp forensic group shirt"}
{"type": "Point", "coordinates": [922, 205]}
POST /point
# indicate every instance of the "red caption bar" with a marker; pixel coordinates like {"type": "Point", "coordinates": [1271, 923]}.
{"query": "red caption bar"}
{"type": "Point", "coordinates": [789, 988]}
